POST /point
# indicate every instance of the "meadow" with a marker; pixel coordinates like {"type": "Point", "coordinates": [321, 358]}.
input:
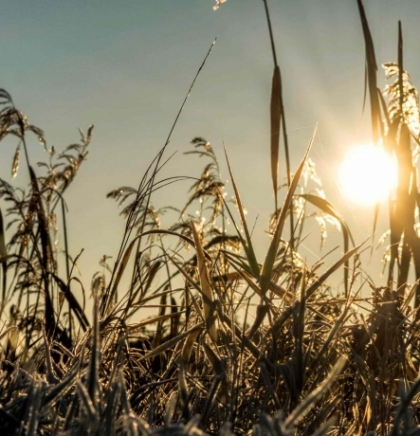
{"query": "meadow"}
{"type": "Point", "coordinates": [237, 344]}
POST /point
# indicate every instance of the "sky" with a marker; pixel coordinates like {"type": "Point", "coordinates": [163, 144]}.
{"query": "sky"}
{"type": "Point", "coordinates": [125, 66]}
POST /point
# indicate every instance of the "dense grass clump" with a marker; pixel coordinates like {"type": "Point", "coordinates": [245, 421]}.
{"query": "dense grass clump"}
{"type": "Point", "coordinates": [238, 345]}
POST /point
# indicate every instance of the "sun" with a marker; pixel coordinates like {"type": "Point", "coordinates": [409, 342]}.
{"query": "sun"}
{"type": "Point", "coordinates": [367, 175]}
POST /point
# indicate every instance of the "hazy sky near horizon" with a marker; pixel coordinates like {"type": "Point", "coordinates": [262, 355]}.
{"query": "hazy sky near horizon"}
{"type": "Point", "coordinates": [125, 66]}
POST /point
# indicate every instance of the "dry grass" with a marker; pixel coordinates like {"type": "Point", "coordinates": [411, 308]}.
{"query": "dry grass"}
{"type": "Point", "coordinates": [304, 362]}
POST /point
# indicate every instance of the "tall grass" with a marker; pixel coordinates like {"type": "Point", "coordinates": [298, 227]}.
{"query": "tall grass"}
{"type": "Point", "coordinates": [304, 362]}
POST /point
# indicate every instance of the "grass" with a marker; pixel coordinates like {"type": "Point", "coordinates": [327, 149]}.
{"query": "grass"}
{"type": "Point", "coordinates": [305, 361]}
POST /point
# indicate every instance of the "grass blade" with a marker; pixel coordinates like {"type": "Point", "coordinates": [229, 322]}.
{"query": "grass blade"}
{"type": "Point", "coordinates": [34, 403]}
{"type": "Point", "coordinates": [372, 68]}
{"type": "Point", "coordinates": [248, 248]}
{"type": "Point", "coordinates": [327, 208]}
{"type": "Point", "coordinates": [275, 118]}
{"type": "Point", "coordinates": [205, 286]}
{"type": "Point", "coordinates": [314, 287]}
{"type": "Point", "coordinates": [304, 406]}
{"type": "Point", "coordinates": [275, 242]}
{"type": "Point", "coordinates": [3, 262]}
{"type": "Point", "coordinates": [170, 343]}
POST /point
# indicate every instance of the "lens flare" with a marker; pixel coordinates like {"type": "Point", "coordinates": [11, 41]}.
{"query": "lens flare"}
{"type": "Point", "coordinates": [368, 175]}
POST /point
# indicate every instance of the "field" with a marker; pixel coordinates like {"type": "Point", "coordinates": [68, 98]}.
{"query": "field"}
{"type": "Point", "coordinates": [237, 344]}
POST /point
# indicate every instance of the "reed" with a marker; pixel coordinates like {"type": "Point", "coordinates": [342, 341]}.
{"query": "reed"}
{"type": "Point", "coordinates": [303, 361]}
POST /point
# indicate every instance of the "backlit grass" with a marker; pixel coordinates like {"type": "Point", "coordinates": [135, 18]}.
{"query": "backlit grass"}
{"type": "Point", "coordinates": [237, 344]}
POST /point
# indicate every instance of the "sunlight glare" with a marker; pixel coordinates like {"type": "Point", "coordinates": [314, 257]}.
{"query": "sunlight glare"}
{"type": "Point", "coordinates": [367, 175]}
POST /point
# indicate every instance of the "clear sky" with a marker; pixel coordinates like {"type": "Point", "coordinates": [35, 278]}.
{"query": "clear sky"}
{"type": "Point", "coordinates": [126, 65]}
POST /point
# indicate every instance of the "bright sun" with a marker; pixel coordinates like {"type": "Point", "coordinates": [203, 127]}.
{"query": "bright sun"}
{"type": "Point", "coordinates": [367, 175]}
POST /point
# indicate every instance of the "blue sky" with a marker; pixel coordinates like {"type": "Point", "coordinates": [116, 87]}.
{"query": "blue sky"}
{"type": "Point", "coordinates": [126, 65]}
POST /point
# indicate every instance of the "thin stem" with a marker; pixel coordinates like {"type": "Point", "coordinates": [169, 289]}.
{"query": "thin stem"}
{"type": "Point", "coordinates": [270, 29]}
{"type": "Point", "coordinates": [400, 70]}
{"type": "Point", "coordinates": [283, 121]}
{"type": "Point", "coordinates": [150, 183]}
{"type": "Point", "coordinates": [66, 244]}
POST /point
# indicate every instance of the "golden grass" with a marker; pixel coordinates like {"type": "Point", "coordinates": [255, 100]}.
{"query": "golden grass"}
{"type": "Point", "coordinates": [306, 361]}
